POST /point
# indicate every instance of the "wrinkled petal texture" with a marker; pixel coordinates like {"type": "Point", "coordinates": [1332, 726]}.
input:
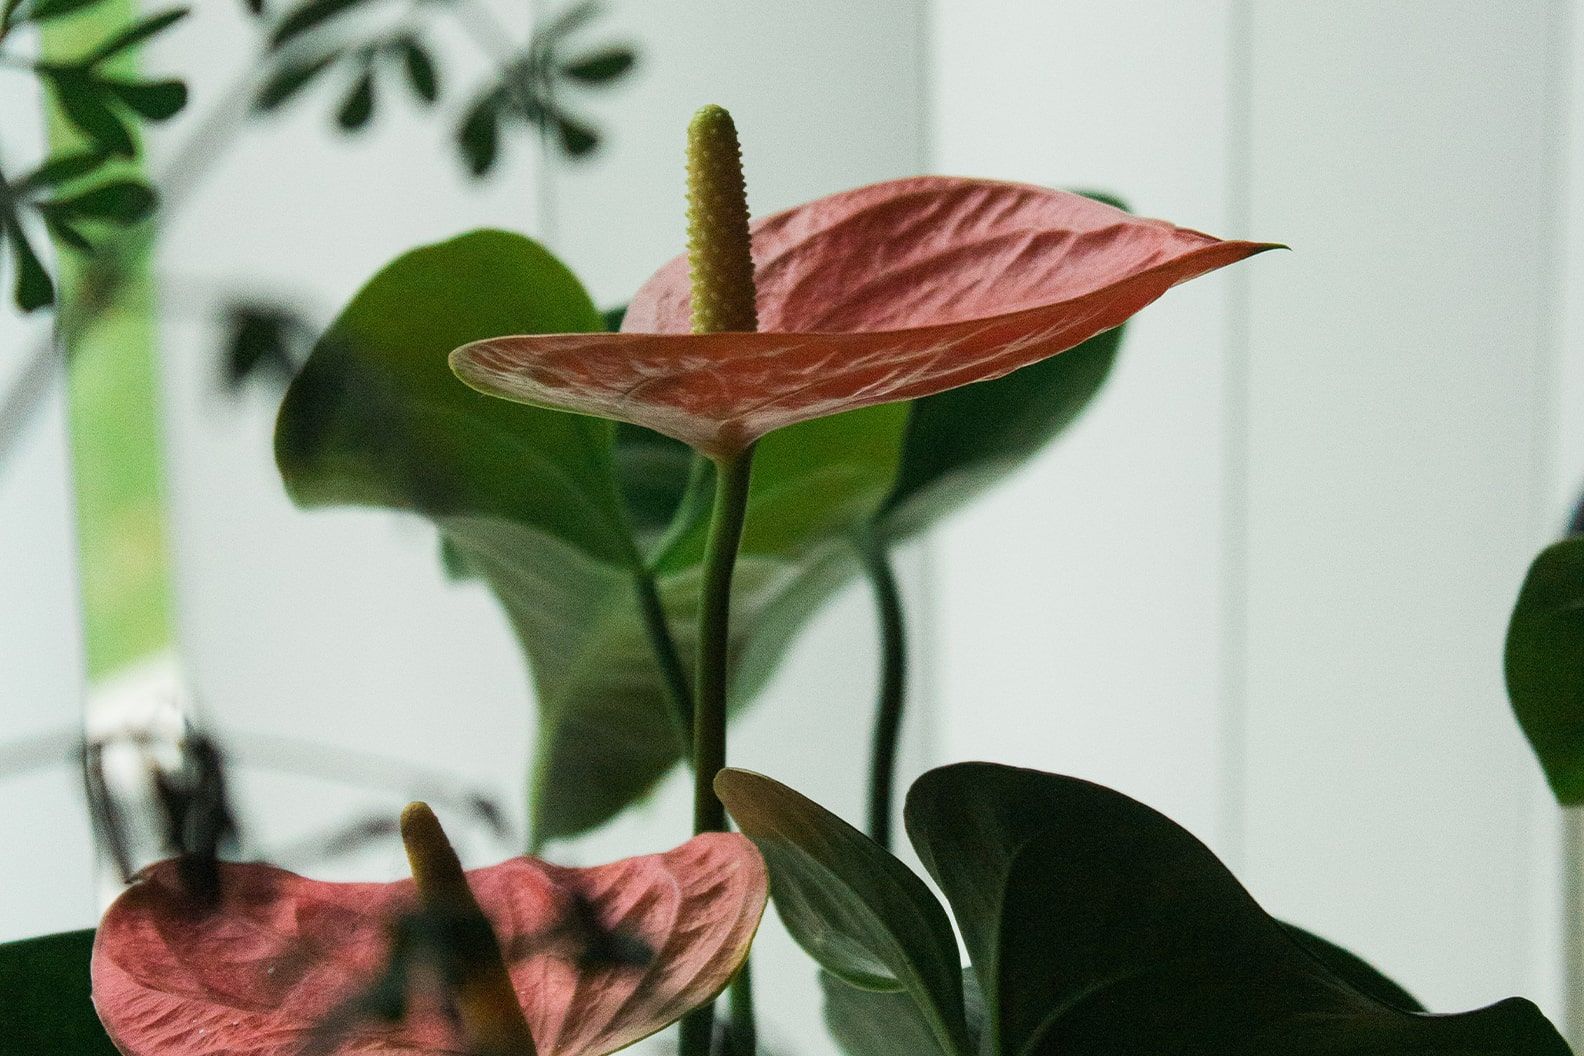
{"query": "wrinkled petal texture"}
{"type": "Point", "coordinates": [283, 954]}
{"type": "Point", "coordinates": [888, 292]}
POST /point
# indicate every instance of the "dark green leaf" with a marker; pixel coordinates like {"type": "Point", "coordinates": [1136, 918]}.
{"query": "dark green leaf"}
{"type": "Point", "coordinates": [254, 7]}
{"type": "Point", "coordinates": [614, 317]}
{"type": "Point", "coordinates": [63, 168]}
{"type": "Point", "coordinates": [308, 15]}
{"type": "Point", "coordinates": [151, 100]}
{"type": "Point", "coordinates": [1098, 926]}
{"type": "Point", "coordinates": [48, 1009]}
{"type": "Point", "coordinates": [81, 101]}
{"type": "Point", "coordinates": [135, 34]}
{"type": "Point", "coordinates": [478, 138]}
{"type": "Point", "coordinates": [377, 418]}
{"type": "Point", "coordinates": [290, 77]}
{"type": "Point", "coordinates": [33, 289]}
{"type": "Point", "coordinates": [8, 10]}
{"type": "Point", "coordinates": [575, 137]}
{"type": "Point", "coordinates": [1354, 970]}
{"type": "Point", "coordinates": [45, 10]}
{"type": "Point", "coordinates": [863, 915]}
{"type": "Point", "coordinates": [889, 1023]}
{"type": "Point", "coordinates": [600, 67]}
{"type": "Point", "coordinates": [358, 106]}
{"type": "Point", "coordinates": [420, 67]}
{"type": "Point", "coordinates": [119, 202]}
{"type": "Point", "coordinates": [1545, 665]}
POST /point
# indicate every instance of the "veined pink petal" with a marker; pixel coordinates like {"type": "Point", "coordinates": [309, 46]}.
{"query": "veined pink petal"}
{"type": "Point", "coordinates": [889, 292]}
{"type": "Point", "coordinates": [281, 954]}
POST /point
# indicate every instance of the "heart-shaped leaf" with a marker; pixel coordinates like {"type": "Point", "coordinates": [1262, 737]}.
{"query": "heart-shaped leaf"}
{"type": "Point", "coordinates": [47, 1004]}
{"type": "Point", "coordinates": [890, 292]}
{"type": "Point", "coordinates": [863, 915]}
{"type": "Point", "coordinates": [531, 500]}
{"type": "Point", "coordinates": [1098, 926]}
{"type": "Point", "coordinates": [282, 955]}
{"type": "Point", "coordinates": [1545, 665]}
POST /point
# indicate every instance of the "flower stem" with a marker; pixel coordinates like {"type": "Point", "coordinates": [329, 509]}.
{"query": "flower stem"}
{"type": "Point", "coordinates": [732, 477]}
{"type": "Point", "coordinates": [722, 300]}
{"type": "Point", "coordinates": [871, 548]}
{"type": "Point", "coordinates": [720, 561]}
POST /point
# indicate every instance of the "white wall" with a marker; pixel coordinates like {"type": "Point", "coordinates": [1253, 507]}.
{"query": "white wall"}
{"type": "Point", "coordinates": [46, 875]}
{"type": "Point", "coordinates": [1264, 584]}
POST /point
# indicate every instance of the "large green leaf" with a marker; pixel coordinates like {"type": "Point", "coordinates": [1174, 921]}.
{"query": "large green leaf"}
{"type": "Point", "coordinates": [1098, 926]}
{"type": "Point", "coordinates": [533, 501]}
{"type": "Point", "coordinates": [863, 915]}
{"type": "Point", "coordinates": [889, 1022]}
{"type": "Point", "coordinates": [48, 1008]}
{"type": "Point", "coordinates": [1545, 665]}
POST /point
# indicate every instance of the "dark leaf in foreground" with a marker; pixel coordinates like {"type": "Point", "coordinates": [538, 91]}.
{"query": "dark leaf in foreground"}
{"type": "Point", "coordinates": [1099, 926]}
{"type": "Point", "coordinates": [48, 1010]}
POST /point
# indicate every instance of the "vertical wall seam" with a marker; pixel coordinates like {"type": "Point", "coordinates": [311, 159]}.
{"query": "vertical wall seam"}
{"type": "Point", "coordinates": [1233, 709]}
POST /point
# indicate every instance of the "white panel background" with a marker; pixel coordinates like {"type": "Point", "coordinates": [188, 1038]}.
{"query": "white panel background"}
{"type": "Point", "coordinates": [1398, 363]}
{"type": "Point", "coordinates": [1261, 585]}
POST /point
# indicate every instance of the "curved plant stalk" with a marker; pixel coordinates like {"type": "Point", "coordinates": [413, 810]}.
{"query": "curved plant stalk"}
{"type": "Point", "coordinates": [892, 698]}
{"type": "Point", "coordinates": [663, 644]}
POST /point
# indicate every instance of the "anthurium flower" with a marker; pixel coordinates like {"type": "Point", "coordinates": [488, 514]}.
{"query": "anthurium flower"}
{"type": "Point", "coordinates": [889, 292]}
{"type": "Point", "coordinates": [597, 958]}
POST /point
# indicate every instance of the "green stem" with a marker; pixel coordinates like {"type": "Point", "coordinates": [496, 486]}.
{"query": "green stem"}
{"type": "Point", "coordinates": [720, 561]}
{"type": "Point", "coordinates": [664, 647]}
{"type": "Point", "coordinates": [709, 716]}
{"type": "Point", "coordinates": [893, 682]}
{"type": "Point", "coordinates": [742, 1035]}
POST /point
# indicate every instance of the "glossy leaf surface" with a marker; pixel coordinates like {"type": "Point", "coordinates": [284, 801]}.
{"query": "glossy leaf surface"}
{"type": "Point", "coordinates": [532, 501]}
{"type": "Point", "coordinates": [47, 1005]}
{"type": "Point", "coordinates": [1545, 665]}
{"type": "Point", "coordinates": [890, 292]}
{"type": "Point", "coordinates": [858, 911]}
{"type": "Point", "coordinates": [282, 955]}
{"type": "Point", "coordinates": [1099, 926]}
